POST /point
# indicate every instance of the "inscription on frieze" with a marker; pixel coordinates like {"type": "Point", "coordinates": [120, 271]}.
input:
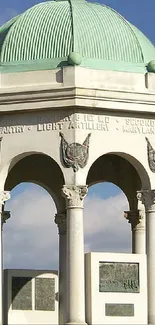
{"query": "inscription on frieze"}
{"type": "Point", "coordinates": [119, 277]}
{"type": "Point", "coordinates": [54, 121]}
{"type": "Point", "coordinates": [21, 293]}
{"type": "Point", "coordinates": [139, 126]}
{"type": "Point", "coordinates": [45, 294]}
{"type": "Point", "coordinates": [125, 310]}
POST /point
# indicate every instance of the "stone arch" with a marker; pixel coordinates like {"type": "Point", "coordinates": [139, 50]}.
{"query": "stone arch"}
{"type": "Point", "coordinates": [40, 169]}
{"type": "Point", "coordinates": [122, 170]}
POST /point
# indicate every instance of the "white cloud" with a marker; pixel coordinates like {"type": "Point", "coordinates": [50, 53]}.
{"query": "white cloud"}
{"type": "Point", "coordinates": [31, 236]}
{"type": "Point", "coordinates": [105, 227]}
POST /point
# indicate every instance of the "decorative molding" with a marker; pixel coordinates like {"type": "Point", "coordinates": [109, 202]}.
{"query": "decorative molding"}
{"type": "Point", "coordinates": [151, 155]}
{"type": "Point", "coordinates": [134, 217]}
{"type": "Point", "coordinates": [76, 96]}
{"type": "Point", "coordinates": [147, 197]}
{"type": "Point", "coordinates": [4, 196]}
{"type": "Point", "coordinates": [75, 155]}
{"type": "Point", "coordinates": [61, 222]}
{"type": "Point", "coordinates": [74, 195]}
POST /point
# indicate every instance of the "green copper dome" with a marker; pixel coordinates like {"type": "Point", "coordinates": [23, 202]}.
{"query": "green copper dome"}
{"type": "Point", "coordinates": [58, 33]}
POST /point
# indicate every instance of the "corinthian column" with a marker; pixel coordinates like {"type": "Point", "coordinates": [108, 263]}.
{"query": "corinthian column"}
{"type": "Point", "coordinates": [4, 196]}
{"type": "Point", "coordinates": [75, 291]}
{"type": "Point", "coordinates": [60, 220]}
{"type": "Point", "coordinates": [148, 199]}
{"type": "Point", "coordinates": [137, 220]}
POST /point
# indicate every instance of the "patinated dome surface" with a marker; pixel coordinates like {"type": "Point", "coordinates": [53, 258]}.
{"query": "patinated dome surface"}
{"type": "Point", "coordinates": [45, 35]}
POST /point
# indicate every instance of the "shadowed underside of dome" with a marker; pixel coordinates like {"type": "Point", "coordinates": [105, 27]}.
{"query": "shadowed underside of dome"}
{"type": "Point", "coordinates": [44, 36]}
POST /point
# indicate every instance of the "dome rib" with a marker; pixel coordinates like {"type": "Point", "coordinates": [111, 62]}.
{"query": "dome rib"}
{"type": "Point", "coordinates": [44, 36]}
{"type": "Point", "coordinates": [46, 22]}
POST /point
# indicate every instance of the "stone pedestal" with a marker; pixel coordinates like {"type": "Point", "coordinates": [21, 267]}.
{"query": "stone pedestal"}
{"type": "Point", "coordinates": [4, 196]}
{"type": "Point", "coordinates": [137, 220]}
{"type": "Point", "coordinates": [60, 220]}
{"type": "Point", "coordinates": [75, 290]}
{"type": "Point", "coordinates": [148, 199]}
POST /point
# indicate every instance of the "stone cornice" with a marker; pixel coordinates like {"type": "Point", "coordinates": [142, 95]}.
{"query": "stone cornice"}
{"type": "Point", "coordinates": [36, 98]}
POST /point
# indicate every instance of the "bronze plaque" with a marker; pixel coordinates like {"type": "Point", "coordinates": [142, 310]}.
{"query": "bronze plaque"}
{"type": "Point", "coordinates": [21, 293]}
{"type": "Point", "coordinates": [45, 294]}
{"type": "Point", "coordinates": [126, 310]}
{"type": "Point", "coordinates": [118, 277]}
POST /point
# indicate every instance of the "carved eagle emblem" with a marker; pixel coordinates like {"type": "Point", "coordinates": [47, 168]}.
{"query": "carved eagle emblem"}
{"type": "Point", "coordinates": [151, 155]}
{"type": "Point", "coordinates": [75, 155]}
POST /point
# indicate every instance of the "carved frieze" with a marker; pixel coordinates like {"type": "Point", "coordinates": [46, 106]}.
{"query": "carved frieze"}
{"type": "Point", "coordinates": [74, 195]}
{"type": "Point", "coordinates": [52, 122]}
{"type": "Point", "coordinates": [151, 155]}
{"type": "Point", "coordinates": [75, 155]}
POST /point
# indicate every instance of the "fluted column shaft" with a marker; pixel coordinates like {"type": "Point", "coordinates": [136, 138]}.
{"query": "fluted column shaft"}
{"type": "Point", "coordinates": [60, 220]}
{"type": "Point", "coordinates": [75, 291]}
{"type": "Point", "coordinates": [148, 199]}
{"type": "Point", "coordinates": [4, 196]}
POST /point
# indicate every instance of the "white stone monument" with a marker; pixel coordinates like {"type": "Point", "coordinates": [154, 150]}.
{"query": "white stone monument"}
{"type": "Point", "coordinates": [116, 288]}
{"type": "Point", "coordinates": [30, 297]}
{"type": "Point", "coordinates": [77, 107]}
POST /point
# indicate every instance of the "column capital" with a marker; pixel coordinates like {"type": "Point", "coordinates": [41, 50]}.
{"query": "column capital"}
{"type": "Point", "coordinates": [147, 197]}
{"type": "Point", "coordinates": [134, 217]}
{"type": "Point", "coordinates": [4, 196]}
{"type": "Point", "coordinates": [5, 216]}
{"type": "Point", "coordinates": [61, 221]}
{"type": "Point", "coordinates": [74, 195]}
